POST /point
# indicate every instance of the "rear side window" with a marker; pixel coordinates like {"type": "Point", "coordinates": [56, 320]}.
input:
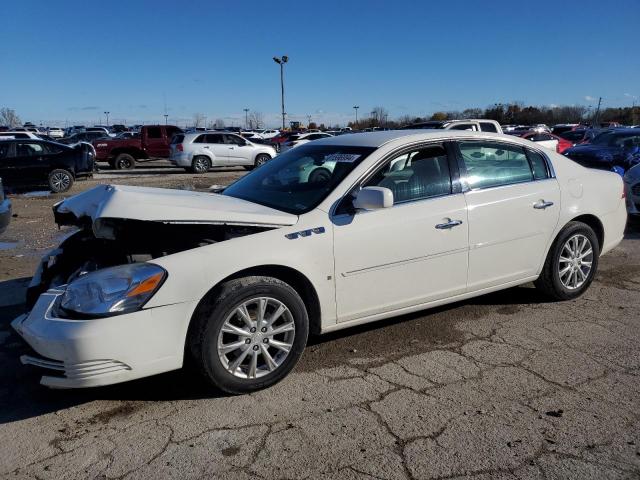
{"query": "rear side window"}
{"type": "Point", "coordinates": [538, 165]}
{"type": "Point", "coordinates": [154, 132]}
{"type": "Point", "coordinates": [214, 138]}
{"type": "Point", "coordinates": [462, 126]}
{"type": "Point", "coordinates": [493, 164]}
{"type": "Point", "coordinates": [488, 127]}
{"type": "Point", "coordinates": [177, 139]}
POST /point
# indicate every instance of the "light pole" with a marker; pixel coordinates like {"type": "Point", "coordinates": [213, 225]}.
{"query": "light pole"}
{"type": "Point", "coordinates": [308, 121]}
{"type": "Point", "coordinates": [165, 118]}
{"type": "Point", "coordinates": [356, 107]}
{"type": "Point", "coordinates": [281, 61]}
{"type": "Point", "coordinates": [246, 121]}
{"type": "Point", "coordinates": [107, 115]}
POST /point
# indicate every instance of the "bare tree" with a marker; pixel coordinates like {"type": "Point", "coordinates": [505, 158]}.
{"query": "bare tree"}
{"type": "Point", "coordinates": [379, 115]}
{"type": "Point", "coordinates": [9, 118]}
{"type": "Point", "coordinates": [219, 123]}
{"type": "Point", "coordinates": [199, 119]}
{"type": "Point", "coordinates": [256, 119]}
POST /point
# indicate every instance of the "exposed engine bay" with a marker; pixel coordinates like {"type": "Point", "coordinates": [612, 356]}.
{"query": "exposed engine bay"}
{"type": "Point", "coordinates": [133, 241]}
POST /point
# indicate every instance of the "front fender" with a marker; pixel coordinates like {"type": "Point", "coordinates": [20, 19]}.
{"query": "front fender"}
{"type": "Point", "coordinates": [193, 273]}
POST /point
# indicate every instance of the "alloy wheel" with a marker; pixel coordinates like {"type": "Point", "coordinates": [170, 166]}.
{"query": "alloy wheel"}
{"type": "Point", "coordinates": [575, 262]}
{"type": "Point", "coordinates": [256, 337]}
{"type": "Point", "coordinates": [60, 181]}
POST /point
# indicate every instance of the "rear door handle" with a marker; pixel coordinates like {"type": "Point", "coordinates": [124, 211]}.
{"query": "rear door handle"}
{"type": "Point", "coordinates": [206, 147]}
{"type": "Point", "coordinates": [541, 205]}
{"type": "Point", "coordinates": [449, 224]}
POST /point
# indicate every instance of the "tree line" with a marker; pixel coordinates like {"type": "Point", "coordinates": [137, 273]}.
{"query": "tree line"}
{"type": "Point", "coordinates": [514, 113]}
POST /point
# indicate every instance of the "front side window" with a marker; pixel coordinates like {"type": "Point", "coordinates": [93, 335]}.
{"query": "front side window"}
{"type": "Point", "coordinates": [492, 164]}
{"type": "Point", "coordinates": [154, 132]}
{"type": "Point", "coordinates": [298, 180]}
{"type": "Point", "coordinates": [415, 175]}
{"type": "Point", "coordinates": [234, 140]}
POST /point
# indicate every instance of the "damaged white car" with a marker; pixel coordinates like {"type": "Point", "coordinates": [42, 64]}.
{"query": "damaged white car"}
{"type": "Point", "coordinates": [391, 222]}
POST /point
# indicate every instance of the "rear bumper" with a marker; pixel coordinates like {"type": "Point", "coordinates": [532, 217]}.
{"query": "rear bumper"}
{"type": "Point", "coordinates": [181, 159]}
{"type": "Point", "coordinates": [91, 353]}
{"type": "Point", "coordinates": [5, 214]}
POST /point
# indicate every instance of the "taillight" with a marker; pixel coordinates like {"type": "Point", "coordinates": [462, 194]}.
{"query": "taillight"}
{"type": "Point", "coordinates": [179, 147]}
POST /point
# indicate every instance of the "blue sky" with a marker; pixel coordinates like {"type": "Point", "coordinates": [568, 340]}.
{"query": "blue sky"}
{"type": "Point", "coordinates": [72, 60]}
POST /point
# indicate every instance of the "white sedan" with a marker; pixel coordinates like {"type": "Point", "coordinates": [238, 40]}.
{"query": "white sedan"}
{"type": "Point", "coordinates": [297, 140]}
{"type": "Point", "coordinates": [402, 221]}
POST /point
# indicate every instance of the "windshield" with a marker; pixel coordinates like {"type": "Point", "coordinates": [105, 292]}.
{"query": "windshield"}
{"type": "Point", "coordinates": [298, 180]}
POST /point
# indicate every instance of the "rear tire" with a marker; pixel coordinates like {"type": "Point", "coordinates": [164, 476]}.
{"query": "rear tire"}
{"type": "Point", "coordinates": [571, 263]}
{"type": "Point", "coordinates": [124, 161]}
{"type": "Point", "coordinates": [60, 180]}
{"type": "Point", "coordinates": [200, 164]}
{"type": "Point", "coordinates": [263, 357]}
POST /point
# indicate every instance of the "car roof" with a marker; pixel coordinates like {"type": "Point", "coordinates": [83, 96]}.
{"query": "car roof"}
{"type": "Point", "coordinates": [377, 139]}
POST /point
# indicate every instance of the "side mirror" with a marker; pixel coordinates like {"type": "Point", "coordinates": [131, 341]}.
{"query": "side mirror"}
{"type": "Point", "coordinates": [373, 198]}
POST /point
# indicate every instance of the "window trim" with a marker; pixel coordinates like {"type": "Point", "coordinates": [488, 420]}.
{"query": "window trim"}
{"type": "Point", "coordinates": [338, 209]}
{"type": "Point", "coordinates": [463, 168]}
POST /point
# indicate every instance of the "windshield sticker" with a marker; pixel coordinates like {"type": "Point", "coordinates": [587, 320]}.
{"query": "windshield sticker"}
{"type": "Point", "coordinates": [342, 157]}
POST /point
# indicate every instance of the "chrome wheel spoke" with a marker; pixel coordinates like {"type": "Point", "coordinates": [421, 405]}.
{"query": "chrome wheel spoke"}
{"type": "Point", "coordinates": [230, 347]}
{"type": "Point", "coordinates": [229, 328]}
{"type": "Point", "coordinates": [287, 327]}
{"type": "Point", "coordinates": [276, 315]}
{"type": "Point", "coordinates": [585, 254]}
{"type": "Point", "coordinates": [285, 347]}
{"type": "Point", "coordinates": [271, 364]}
{"type": "Point", "coordinates": [565, 270]}
{"type": "Point", "coordinates": [233, 366]}
{"type": "Point", "coordinates": [253, 365]}
{"type": "Point", "coordinates": [243, 313]}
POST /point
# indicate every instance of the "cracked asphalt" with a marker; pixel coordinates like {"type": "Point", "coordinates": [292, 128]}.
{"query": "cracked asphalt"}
{"type": "Point", "coordinates": [505, 386]}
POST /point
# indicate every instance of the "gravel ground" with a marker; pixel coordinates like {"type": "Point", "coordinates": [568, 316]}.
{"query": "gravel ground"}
{"type": "Point", "coordinates": [505, 386]}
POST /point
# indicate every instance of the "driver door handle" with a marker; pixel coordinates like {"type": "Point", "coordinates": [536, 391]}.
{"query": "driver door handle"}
{"type": "Point", "coordinates": [449, 224]}
{"type": "Point", "coordinates": [541, 205]}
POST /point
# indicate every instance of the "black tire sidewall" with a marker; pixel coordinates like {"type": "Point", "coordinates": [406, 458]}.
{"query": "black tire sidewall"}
{"type": "Point", "coordinates": [569, 231]}
{"type": "Point", "coordinates": [215, 317]}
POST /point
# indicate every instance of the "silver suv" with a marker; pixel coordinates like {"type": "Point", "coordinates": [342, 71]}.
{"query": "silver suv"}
{"type": "Point", "coordinates": [198, 152]}
{"type": "Point", "coordinates": [476, 125]}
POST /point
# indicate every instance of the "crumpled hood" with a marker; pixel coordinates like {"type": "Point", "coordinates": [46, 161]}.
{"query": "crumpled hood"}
{"type": "Point", "coordinates": [164, 205]}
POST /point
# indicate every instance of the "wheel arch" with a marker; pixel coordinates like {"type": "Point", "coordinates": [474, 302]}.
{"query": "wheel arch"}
{"type": "Point", "coordinates": [296, 279]}
{"type": "Point", "coordinates": [595, 224]}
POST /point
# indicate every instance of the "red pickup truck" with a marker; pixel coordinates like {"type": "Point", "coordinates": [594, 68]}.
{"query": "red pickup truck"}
{"type": "Point", "coordinates": [123, 153]}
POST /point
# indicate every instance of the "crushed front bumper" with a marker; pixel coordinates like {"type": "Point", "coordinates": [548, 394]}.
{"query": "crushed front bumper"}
{"type": "Point", "coordinates": [95, 352]}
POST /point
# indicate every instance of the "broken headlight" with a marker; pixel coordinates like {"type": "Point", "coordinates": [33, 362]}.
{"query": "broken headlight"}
{"type": "Point", "coordinates": [113, 291]}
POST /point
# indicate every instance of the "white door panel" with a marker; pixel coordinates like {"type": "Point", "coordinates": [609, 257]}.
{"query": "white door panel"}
{"type": "Point", "coordinates": [507, 235]}
{"type": "Point", "coordinates": [396, 257]}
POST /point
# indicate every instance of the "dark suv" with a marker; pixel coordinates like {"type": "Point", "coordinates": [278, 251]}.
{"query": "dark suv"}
{"type": "Point", "coordinates": [39, 162]}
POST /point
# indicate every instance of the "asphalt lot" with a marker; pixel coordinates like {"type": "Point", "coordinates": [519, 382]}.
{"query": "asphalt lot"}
{"type": "Point", "coordinates": [503, 386]}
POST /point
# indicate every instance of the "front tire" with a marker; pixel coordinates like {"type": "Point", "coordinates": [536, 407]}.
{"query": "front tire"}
{"type": "Point", "coordinates": [571, 263]}
{"type": "Point", "coordinates": [60, 180]}
{"type": "Point", "coordinates": [248, 334]}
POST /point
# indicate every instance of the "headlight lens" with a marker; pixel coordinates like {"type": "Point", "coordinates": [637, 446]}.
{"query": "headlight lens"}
{"type": "Point", "coordinates": [114, 290]}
